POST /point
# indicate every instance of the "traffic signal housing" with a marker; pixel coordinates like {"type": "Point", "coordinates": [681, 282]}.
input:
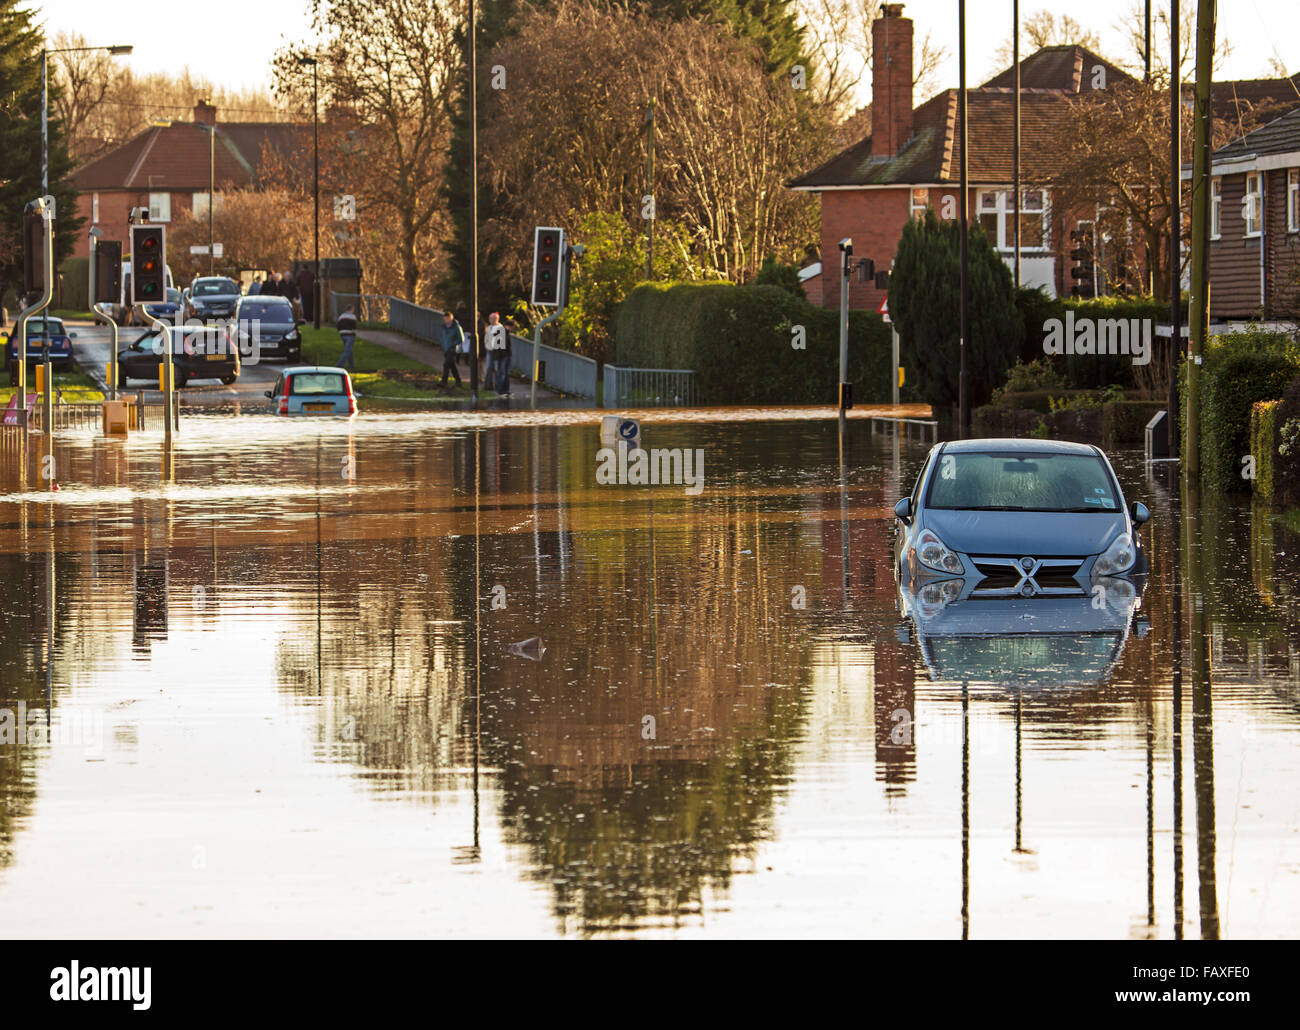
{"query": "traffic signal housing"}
{"type": "Point", "coordinates": [33, 250]}
{"type": "Point", "coordinates": [1082, 270]}
{"type": "Point", "coordinates": [548, 247]}
{"type": "Point", "coordinates": [148, 265]}
{"type": "Point", "coordinates": [108, 272]}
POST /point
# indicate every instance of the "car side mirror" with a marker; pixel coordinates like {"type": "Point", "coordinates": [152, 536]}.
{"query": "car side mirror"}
{"type": "Point", "coordinates": [903, 509]}
{"type": "Point", "coordinates": [1140, 512]}
{"type": "Point", "coordinates": [72, 336]}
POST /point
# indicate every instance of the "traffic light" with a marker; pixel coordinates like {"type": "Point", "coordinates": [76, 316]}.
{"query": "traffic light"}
{"type": "Point", "coordinates": [108, 272]}
{"type": "Point", "coordinates": [548, 246]}
{"type": "Point", "coordinates": [1081, 271]}
{"type": "Point", "coordinates": [33, 249]}
{"type": "Point", "coordinates": [148, 265]}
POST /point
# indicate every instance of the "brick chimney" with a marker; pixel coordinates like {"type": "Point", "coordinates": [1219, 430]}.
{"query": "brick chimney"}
{"type": "Point", "coordinates": [891, 82]}
{"type": "Point", "coordinates": [205, 112]}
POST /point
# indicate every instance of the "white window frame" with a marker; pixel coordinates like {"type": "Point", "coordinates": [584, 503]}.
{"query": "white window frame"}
{"type": "Point", "coordinates": [1216, 207]}
{"type": "Point", "coordinates": [1293, 200]}
{"type": "Point", "coordinates": [1253, 206]}
{"type": "Point", "coordinates": [160, 207]}
{"type": "Point", "coordinates": [915, 210]}
{"type": "Point", "coordinates": [94, 209]}
{"type": "Point", "coordinates": [1003, 209]}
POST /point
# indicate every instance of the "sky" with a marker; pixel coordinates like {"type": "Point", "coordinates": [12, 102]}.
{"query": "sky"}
{"type": "Point", "coordinates": [237, 38]}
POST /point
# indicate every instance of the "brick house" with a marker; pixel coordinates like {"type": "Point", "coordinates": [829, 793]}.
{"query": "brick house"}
{"type": "Point", "coordinates": [170, 167]}
{"type": "Point", "coordinates": [1255, 223]}
{"type": "Point", "coordinates": [912, 160]}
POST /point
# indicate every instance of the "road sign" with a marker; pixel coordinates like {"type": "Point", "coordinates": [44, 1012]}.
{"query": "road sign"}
{"type": "Point", "coordinates": [883, 310]}
{"type": "Point", "coordinates": [218, 249]}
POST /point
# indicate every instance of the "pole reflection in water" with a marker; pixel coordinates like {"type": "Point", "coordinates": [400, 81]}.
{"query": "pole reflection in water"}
{"type": "Point", "coordinates": [1176, 593]}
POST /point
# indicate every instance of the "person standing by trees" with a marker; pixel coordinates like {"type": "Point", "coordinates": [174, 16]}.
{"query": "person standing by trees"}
{"type": "Point", "coordinates": [347, 326]}
{"type": "Point", "coordinates": [497, 343]}
{"type": "Point", "coordinates": [452, 338]}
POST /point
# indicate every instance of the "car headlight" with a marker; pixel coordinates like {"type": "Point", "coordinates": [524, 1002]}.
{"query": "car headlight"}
{"type": "Point", "coordinates": [933, 553]}
{"type": "Point", "coordinates": [1118, 557]}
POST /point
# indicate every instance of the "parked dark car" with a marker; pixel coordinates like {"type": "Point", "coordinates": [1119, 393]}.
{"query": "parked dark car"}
{"type": "Point", "coordinates": [167, 309]}
{"type": "Point", "coordinates": [37, 327]}
{"type": "Point", "coordinates": [212, 297]}
{"type": "Point", "coordinates": [198, 352]}
{"type": "Point", "coordinates": [266, 328]}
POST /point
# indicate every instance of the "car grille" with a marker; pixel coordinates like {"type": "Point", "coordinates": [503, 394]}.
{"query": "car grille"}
{"type": "Point", "coordinates": [1005, 576]}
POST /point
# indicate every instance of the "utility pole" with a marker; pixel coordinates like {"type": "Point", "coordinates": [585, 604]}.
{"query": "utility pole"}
{"type": "Point", "coordinates": [473, 200]}
{"type": "Point", "coordinates": [1175, 231]}
{"type": "Point", "coordinates": [846, 261]}
{"type": "Point", "coordinates": [1200, 314]}
{"type": "Point", "coordinates": [650, 190]}
{"type": "Point", "coordinates": [1015, 146]}
{"type": "Point", "coordinates": [212, 189]}
{"type": "Point", "coordinates": [963, 403]}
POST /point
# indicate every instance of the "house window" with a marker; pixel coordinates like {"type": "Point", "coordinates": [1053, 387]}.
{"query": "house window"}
{"type": "Point", "coordinates": [1293, 200]}
{"type": "Point", "coordinates": [1252, 204]}
{"type": "Point", "coordinates": [94, 207]}
{"type": "Point", "coordinates": [1216, 206]}
{"type": "Point", "coordinates": [995, 210]}
{"type": "Point", "coordinates": [920, 201]}
{"type": "Point", "coordinates": [199, 205]}
{"type": "Point", "coordinates": [160, 207]}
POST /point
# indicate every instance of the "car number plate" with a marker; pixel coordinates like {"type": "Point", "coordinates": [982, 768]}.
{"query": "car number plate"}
{"type": "Point", "coordinates": [318, 407]}
{"type": "Point", "coordinates": [215, 357]}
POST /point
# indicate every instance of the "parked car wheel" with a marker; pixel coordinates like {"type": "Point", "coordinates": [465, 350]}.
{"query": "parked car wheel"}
{"type": "Point", "coordinates": [182, 380]}
{"type": "Point", "coordinates": [228, 380]}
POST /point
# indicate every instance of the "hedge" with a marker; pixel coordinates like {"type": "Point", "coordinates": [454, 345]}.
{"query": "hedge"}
{"type": "Point", "coordinates": [1286, 467]}
{"type": "Point", "coordinates": [1088, 371]}
{"type": "Point", "coordinates": [74, 285]}
{"type": "Point", "coordinates": [1113, 424]}
{"type": "Point", "coordinates": [1238, 370]}
{"type": "Point", "coordinates": [1124, 423]}
{"type": "Point", "coordinates": [737, 340]}
{"type": "Point", "coordinates": [1263, 445]}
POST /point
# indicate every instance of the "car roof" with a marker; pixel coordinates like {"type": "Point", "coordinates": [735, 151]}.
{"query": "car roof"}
{"type": "Point", "coordinates": [314, 368]}
{"type": "Point", "coordinates": [1002, 446]}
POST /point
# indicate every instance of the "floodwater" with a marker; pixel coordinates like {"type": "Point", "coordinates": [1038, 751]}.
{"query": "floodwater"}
{"type": "Point", "coordinates": [421, 675]}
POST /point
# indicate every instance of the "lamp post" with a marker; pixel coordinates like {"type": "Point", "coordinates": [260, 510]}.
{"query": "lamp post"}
{"type": "Point", "coordinates": [211, 130]}
{"type": "Point", "coordinates": [114, 51]}
{"type": "Point", "coordinates": [315, 176]}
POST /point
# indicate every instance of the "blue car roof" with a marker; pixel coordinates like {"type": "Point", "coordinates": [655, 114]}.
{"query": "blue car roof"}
{"type": "Point", "coordinates": [1002, 446]}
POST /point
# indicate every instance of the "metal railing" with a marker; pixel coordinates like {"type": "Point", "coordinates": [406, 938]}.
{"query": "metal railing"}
{"type": "Point", "coordinates": [649, 387]}
{"type": "Point", "coordinates": [369, 307]}
{"type": "Point", "coordinates": [926, 427]}
{"type": "Point", "coordinates": [562, 370]}
{"type": "Point", "coordinates": [69, 416]}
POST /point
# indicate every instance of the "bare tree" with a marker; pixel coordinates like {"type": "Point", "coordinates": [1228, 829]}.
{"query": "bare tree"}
{"type": "Point", "coordinates": [839, 38]}
{"type": "Point", "coordinates": [395, 65]}
{"type": "Point", "coordinates": [1044, 29]}
{"type": "Point", "coordinates": [1133, 28]}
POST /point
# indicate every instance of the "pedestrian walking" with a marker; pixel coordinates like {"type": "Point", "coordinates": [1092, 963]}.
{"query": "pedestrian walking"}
{"type": "Point", "coordinates": [347, 326]}
{"type": "Point", "coordinates": [453, 336]}
{"type": "Point", "coordinates": [307, 291]}
{"type": "Point", "coordinates": [289, 290]}
{"type": "Point", "coordinates": [271, 288]}
{"type": "Point", "coordinates": [255, 287]}
{"type": "Point", "coordinates": [496, 339]}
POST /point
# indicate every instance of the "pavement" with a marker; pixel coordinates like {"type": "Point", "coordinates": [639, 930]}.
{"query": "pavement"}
{"type": "Point", "coordinates": [93, 345]}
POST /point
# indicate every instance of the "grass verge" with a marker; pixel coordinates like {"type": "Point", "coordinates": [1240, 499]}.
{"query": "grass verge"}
{"type": "Point", "coordinates": [75, 386]}
{"type": "Point", "coordinates": [380, 372]}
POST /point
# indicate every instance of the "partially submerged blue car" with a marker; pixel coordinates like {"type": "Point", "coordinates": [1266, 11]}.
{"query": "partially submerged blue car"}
{"type": "Point", "coordinates": [1018, 517]}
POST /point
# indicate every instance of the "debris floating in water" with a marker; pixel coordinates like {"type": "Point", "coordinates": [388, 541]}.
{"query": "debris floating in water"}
{"type": "Point", "coordinates": [532, 649]}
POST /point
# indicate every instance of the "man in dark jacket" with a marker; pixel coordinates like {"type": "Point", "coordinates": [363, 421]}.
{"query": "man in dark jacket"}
{"type": "Point", "coordinates": [307, 291]}
{"type": "Point", "coordinates": [452, 337]}
{"type": "Point", "coordinates": [347, 326]}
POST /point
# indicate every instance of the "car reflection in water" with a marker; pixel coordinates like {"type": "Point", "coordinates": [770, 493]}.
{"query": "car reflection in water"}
{"type": "Point", "coordinates": [981, 631]}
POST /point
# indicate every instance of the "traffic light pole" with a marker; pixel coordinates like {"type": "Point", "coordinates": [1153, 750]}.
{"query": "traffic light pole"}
{"type": "Point", "coordinates": [94, 307]}
{"type": "Point", "coordinates": [20, 327]}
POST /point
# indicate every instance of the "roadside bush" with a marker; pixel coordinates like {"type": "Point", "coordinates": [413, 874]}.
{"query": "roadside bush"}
{"type": "Point", "coordinates": [1286, 465]}
{"type": "Point", "coordinates": [73, 285]}
{"type": "Point", "coordinates": [1239, 369]}
{"type": "Point", "coordinates": [775, 273]}
{"type": "Point", "coordinates": [738, 340]}
{"type": "Point", "coordinates": [1263, 445]}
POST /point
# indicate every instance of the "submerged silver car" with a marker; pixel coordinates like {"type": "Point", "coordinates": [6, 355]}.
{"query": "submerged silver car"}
{"type": "Point", "coordinates": [1017, 518]}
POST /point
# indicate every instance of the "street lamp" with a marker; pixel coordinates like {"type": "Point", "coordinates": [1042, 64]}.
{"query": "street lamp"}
{"type": "Point", "coordinates": [211, 130]}
{"type": "Point", "coordinates": [315, 147]}
{"type": "Point", "coordinates": [118, 50]}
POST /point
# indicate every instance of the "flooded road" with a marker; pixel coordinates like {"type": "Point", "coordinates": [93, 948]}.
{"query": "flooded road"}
{"type": "Point", "coordinates": [421, 675]}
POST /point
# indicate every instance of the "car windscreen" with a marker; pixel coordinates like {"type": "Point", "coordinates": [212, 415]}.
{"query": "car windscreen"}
{"type": "Point", "coordinates": [213, 288]}
{"type": "Point", "coordinates": [267, 311]}
{"type": "Point", "coordinates": [1019, 481]}
{"type": "Point", "coordinates": [35, 327]}
{"type": "Point", "coordinates": [316, 383]}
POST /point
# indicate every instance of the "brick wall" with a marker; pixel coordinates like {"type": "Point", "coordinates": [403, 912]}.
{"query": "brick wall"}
{"type": "Point", "coordinates": [114, 207]}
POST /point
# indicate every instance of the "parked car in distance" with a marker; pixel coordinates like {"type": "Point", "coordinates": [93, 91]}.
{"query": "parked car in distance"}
{"type": "Point", "coordinates": [269, 325]}
{"type": "Point", "coordinates": [212, 297]}
{"type": "Point", "coordinates": [167, 309]}
{"type": "Point", "coordinates": [37, 328]}
{"type": "Point", "coordinates": [198, 352]}
{"type": "Point", "coordinates": [313, 390]}
{"type": "Point", "coordinates": [1018, 518]}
